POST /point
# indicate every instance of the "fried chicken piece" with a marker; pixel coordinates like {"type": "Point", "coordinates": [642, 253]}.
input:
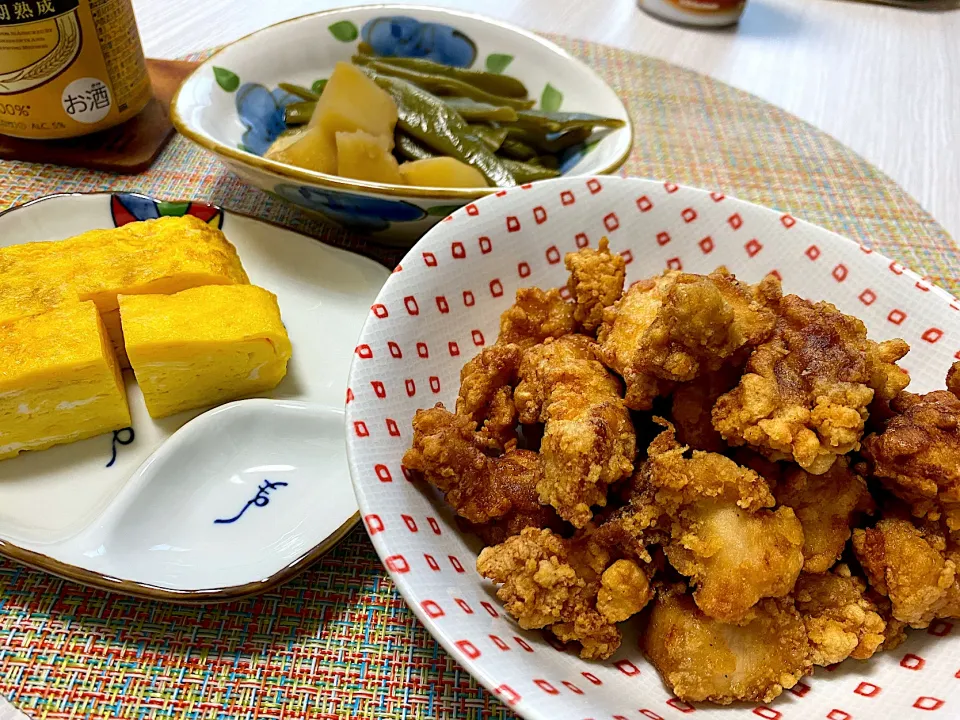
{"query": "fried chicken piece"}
{"type": "Point", "coordinates": [917, 456]}
{"type": "Point", "coordinates": [895, 632]}
{"type": "Point", "coordinates": [700, 658]}
{"type": "Point", "coordinates": [497, 495]}
{"type": "Point", "coordinates": [486, 393]}
{"type": "Point", "coordinates": [595, 283]}
{"type": "Point", "coordinates": [535, 316]}
{"type": "Point", "coordinates": [448, 453]}
{"type": "Point", "coordinates": [672, 328]}
{"type": "Point", "coordinates": [953, 379]}
{"type": "Point", "coordinates": [908, 565]}
{"type": "Point", "coordinates": [805, 392]}
{"type": "Point", "coordinates": [886, 377]}
{"type": "Point", "coordinates": [691, 406]}
{"type": "Point", "coordinates": [588, 440]}
{"type": "Point", "coordinates": [763, 466]}
{"type": "Point", "coordinates": [951, 604]}
{"type": "Point", "coordinates": [841, 620]}
{"type": "Point", "coordinates": [515, 476]}
{"type": "Point", "coordinates": [570, 586]}
{"type": "Point", "coordinates": [826, 506]}
{"type": "Point", "coordinates": [718, 528]}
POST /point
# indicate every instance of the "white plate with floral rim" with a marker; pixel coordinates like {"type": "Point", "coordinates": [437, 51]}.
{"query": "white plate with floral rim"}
{"type": "Point", "coordinates": [232, 104]}
{"type": "Point", "coordinates": [444, 305]}
{"type": "Point", "coordinates": [233, 502]}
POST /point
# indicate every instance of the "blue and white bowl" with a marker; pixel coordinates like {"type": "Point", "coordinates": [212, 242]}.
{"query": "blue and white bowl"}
{"type": "Point", "coordinates": [232, 105]}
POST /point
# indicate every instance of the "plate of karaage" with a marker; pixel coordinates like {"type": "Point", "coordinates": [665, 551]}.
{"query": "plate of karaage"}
{"type": "Point", "coordinates": [630, 449]}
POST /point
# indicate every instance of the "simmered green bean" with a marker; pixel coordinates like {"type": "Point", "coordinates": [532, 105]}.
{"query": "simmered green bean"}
{"type": "Point", "coordinates": [409, 148]}
{"type": "Point", "coordinates": [525, 172]}
{"type": "Point", "coordinates": [490, 82]}
{"type": "Point", "coordinates": [557, 121]}
{"type": "Point", "coordinates": [548, 142]}
{"type": "Point", "coordinates": [431, 122]}
{"type": "Point", "coordinates": [439, 84]}
{"type": "Point", "coordinates": [473, 111]}
{"type": "Point", "coordinates": [299, 113]}
{"type": "Point", "coordinates": [517, 150]}
{"type": "Point", "coordinates": [548, 161]}
{"type": "Point", "coordinates": [491, 136]}
{"type": "Point", "coordinates": [299, 91]}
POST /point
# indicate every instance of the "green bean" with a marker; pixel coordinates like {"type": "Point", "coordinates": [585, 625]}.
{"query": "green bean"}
{"type": "Point", "coordinates": [525, 172]}
{"type": "Point", "coordinates": [557, 121]}
{"type": "Point", "coordinates": [495, 84]}
{"type": "Point", "coordinates": [473, 111]}
{"type": "Point", "coordinates": [299, 113]}
{"type": "Point", "coordinates": [438, 84]}
{"type": "Point", "coordinates": [516, 150]}
{"type": "Point", "coordinates": [548, 142]}
{"type": "Point", "coordinates": [299, 91]}
{"type": "Point", "coordinates": [318, 87]}
{"type": "Point", "coordinates": [365, 48]}
{"type": "Point", "coordinates": [409, 148]}
{"type": "Point", "coordinates": [492, 137]}
{"type": "Point", "coordinates": [291, 132]}
{"type": "Point", "coordinates": [549, 161]}
{"type": "Point", "coordinates": [427, 119]}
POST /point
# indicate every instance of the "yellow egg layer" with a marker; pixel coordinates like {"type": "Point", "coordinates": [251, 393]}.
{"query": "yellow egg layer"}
{"type": "Point", "coordinates": [204, 346]}
{"type": "Point", "coordinates": [59, 380]}
{"type": "Point", "coordinates": [166, 255]}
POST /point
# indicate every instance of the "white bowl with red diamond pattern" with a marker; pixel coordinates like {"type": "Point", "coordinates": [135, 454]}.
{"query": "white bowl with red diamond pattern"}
{"type": "Point", "coordinates": [442, 304]}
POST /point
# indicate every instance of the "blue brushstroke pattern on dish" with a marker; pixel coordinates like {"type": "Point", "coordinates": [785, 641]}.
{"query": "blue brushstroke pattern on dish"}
{"type": "Point", "coordinates": [261, 111]}
{"type": "Point", "coordinates": [359, 212]}
{"type": "Point", "coordinates": [571, 156]}
{"type": "Point", "coordinates": [401, 36]}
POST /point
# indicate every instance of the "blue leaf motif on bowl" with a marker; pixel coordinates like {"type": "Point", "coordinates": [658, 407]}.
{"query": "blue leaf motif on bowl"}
{"type": "Point", "coordinates": [261, 112]}
{"type": "Point", "coordinates": [401, 36]}
{"type": "Point", "coordinates": [359, 212]}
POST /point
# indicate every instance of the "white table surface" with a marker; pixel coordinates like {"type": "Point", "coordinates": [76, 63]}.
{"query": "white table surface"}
{"type": "Point", "coordinates": [882, 80]}
{"type": "Point", "coordinates": [885, 81]}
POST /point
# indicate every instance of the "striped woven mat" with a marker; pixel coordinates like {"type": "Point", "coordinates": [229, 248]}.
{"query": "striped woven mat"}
{"type": "Point", "coordinates": [338, 641]}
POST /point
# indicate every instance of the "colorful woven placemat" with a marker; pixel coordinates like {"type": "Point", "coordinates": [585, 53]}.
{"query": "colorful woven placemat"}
{"type": "Point", "coordinates": [338, 641]}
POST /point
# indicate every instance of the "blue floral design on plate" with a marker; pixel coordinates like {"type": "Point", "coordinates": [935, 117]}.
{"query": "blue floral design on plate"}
{"type": "Point", "coordinates": [358, 212]}
{"type": "Point", "coordinates": [261, 111]}
{"type": "Point", "coordinates": [401, 36]}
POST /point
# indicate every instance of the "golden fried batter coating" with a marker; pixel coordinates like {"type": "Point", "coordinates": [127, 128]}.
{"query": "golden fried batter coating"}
{"type": "Point", "coordinates": [674, 327]}
{"type": "Point", "coordinates": [895, 633]}
{"type": "Point", "coordinates": [515, 476]}
{"type": "Point", "coordinates": [908, 564]}
{"type": "Point", "coordinates": [701, 658]}
{"type": "Point", "coordinates": [486, 393]}
{"type": "Point", "coordinates": [886, 377]}
{"type": "Point", "coordinates": [595, 283]}
{"type": "Point", "coordinates": [497, 494]}
{"type": "Point", "coordinates": [806, 390]}
{"type": "Point", "coordinates": [570, 586]}
{"type": "Point", "coordinates": [691, 406]}
{"type": "Point", "coordinates": [588, 438]}
{"type": "Point", "coordinates": [722, 534]}
{"type": "Point", "coordinates": [917, 457]}
{"type": "Point", "coordinates": [450, 456]}
{"type": "Point", "coordinates": [826, 506]}
{"type": "Point", "coordinates": [953, 379]}
{"type": "Point", "coordinates": [841, 620]}
{"type": "Point", "coordinates": [535, 316]}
